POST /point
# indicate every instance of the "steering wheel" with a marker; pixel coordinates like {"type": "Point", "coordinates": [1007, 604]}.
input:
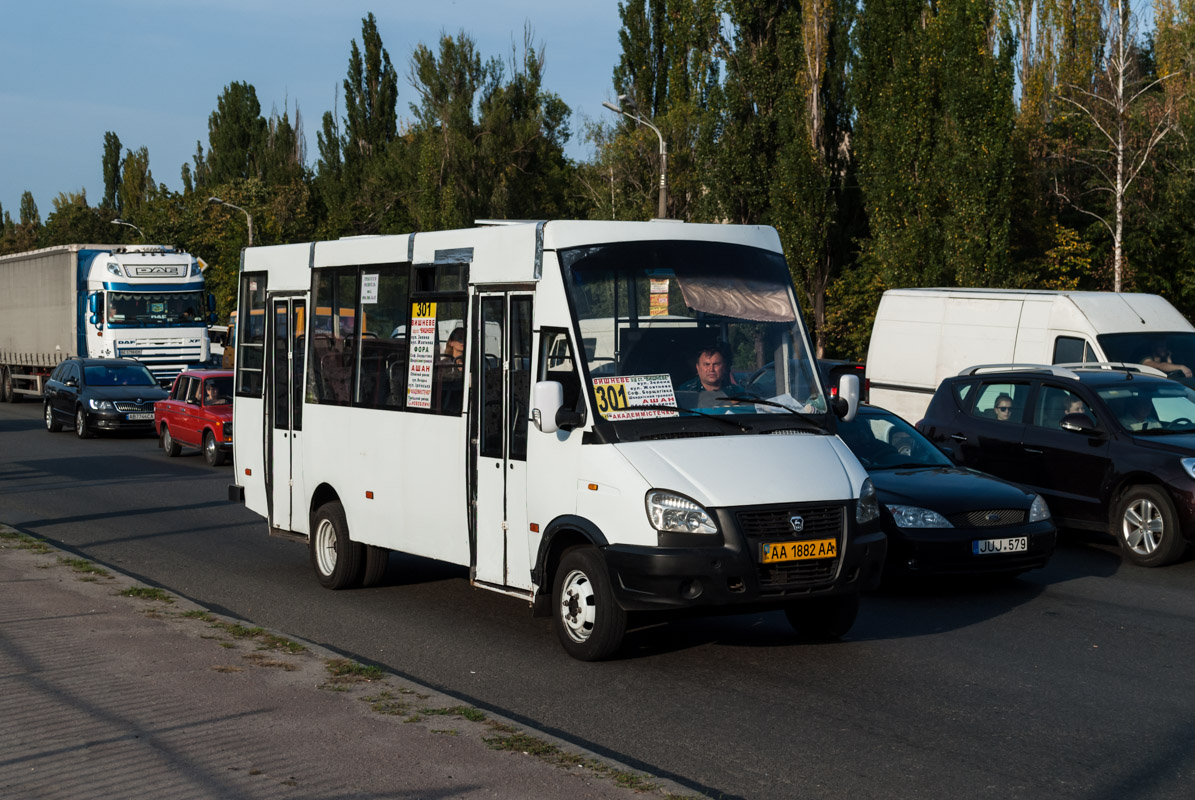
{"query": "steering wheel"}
{"type": "Point", "coordinates": [1183, 422]}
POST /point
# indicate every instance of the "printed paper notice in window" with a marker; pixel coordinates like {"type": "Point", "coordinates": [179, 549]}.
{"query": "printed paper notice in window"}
{"type": "Point", "coordinates": [631, 396]}
{"type": "Point", "coordinates": [423, 355]}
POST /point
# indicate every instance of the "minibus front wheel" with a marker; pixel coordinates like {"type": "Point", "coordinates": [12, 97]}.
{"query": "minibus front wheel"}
{"type": "Point", "coordinates": [339, 562]}
{"type": "Point", "coordinates": [589, 621]}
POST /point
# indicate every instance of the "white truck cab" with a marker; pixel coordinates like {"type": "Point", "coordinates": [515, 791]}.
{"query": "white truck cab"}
{"type": "Point", "coordinates": [594, 447]}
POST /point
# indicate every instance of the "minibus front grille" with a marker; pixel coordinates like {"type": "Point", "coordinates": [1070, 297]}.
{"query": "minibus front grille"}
{"type": "Point", "coordinates": [799, 573]}
{"type": "Point", "coordinates": [773, 524]}
{"type": "Point", "coordinates": [815, 521]}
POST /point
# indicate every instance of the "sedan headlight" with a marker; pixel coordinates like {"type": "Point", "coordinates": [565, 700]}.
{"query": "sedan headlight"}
{"type": "Point", "coordinates": [100, 405]}
{"type": "Point", "coordinates": [672, 513]}
{"type": "Point", "coordinates": [868, 508]}
{"type": "Point", "coordinates": [914, 517]}
{"type": "Point", "coordinates": [1039, 510]}
{"type": "Point", "coordinates": [1189, 466]}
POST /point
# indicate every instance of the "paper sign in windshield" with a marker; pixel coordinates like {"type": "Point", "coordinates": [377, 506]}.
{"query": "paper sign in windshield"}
{"type": "Point", "coordinates": [423, 355]}
{"type": "Point", "coordinates": [620, 398]}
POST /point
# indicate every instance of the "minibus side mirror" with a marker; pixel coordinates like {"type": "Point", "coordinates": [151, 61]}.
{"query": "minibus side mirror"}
{"type": "Point", "coordinates": [92, 303]}
{"type": "Point", "coordinates": [547, 398]}
{"type": "Point", "coordinates": [846, 404]}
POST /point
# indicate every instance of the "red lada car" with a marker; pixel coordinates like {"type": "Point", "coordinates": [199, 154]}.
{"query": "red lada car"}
{"type": "Point", "coordinates": [198, 413]}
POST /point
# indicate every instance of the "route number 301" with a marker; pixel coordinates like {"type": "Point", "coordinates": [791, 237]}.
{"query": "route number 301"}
{"type": "Point", "coordinates": [611, 397]}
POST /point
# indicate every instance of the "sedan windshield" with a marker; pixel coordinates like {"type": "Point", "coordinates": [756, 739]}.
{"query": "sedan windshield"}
{"type": "Point", "coordinates": [118, 375]}
{"type": "Point", "coordinates": [885, 441]}
{"type": "Point", "coordinates": [154, 309]}
{"type": "Point", "coordinates": [1151, 407]}
{"type": "Point", "coordinates": [690, 328]}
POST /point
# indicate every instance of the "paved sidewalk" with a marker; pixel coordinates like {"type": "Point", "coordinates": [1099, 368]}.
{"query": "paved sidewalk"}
{"type": "Point", "coordinates": [108, 695]}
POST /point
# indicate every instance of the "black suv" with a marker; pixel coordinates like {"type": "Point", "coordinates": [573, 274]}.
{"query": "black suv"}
{"type": "Point", "coordinates": [101, 394]}
{"type": "Point", "coordinates": [1110, 447]}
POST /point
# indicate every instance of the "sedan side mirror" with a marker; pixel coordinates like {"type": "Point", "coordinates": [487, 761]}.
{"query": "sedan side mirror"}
{"type": "Point", "coordinates": [1081, 424]}
{"type": "Point", "coordinates": [71, 382]}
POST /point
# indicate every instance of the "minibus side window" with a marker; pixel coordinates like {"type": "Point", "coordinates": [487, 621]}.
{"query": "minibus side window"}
{"type": "Point", "coordinates": [250, 360]}
{"type": "Point", "coordinates": [382, 368]}
{"type": "Point", "coordinates": [520, 374]}
{"type": "Point", "coordinates": [332, 349]}
{"type": "Point", "coordinates": [556, 364]}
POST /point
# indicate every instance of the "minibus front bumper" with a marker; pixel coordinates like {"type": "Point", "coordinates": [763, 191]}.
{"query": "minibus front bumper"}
{"type": "Point", "coordinates": [647, 578]}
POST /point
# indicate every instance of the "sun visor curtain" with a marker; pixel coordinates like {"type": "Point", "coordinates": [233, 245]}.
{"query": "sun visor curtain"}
{"type": "Point", "coordinates": [740, 298]}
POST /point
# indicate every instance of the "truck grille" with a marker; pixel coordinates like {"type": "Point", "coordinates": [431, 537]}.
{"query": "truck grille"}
{"type": "Point", "coordinates": [774, 524]}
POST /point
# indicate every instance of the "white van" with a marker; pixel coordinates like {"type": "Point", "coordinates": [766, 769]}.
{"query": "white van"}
{"type": "Point", "coordinates": [571, 459]}
{"type": "Point", "coordinates": [922, 336]}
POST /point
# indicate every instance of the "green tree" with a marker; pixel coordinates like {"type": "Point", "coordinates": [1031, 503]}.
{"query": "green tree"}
{"type": "Point", "coordinates": [137, 188]}
{"type": "Point", "coordinates": [669, 67]}
{"type": "Point", "coordinates": [237, 136]}
{"type": "Point", "coordinates": [111, 165]}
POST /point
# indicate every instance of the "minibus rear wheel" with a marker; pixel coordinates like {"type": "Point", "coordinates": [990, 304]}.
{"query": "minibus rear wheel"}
{"type": "Point", "coordinates": [589, 622]}
{"type": "Point", "coordinates": [339, 562]}
{"type": "Point", "coordinates": [823, 618]}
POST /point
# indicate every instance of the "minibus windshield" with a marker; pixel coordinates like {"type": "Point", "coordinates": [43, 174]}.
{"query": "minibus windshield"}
{"type": "Point", "coordinates": [679, 328]}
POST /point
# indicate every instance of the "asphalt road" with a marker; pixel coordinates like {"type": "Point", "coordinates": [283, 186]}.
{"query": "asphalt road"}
{"type": "Point", "coordinates": [1072, 681]}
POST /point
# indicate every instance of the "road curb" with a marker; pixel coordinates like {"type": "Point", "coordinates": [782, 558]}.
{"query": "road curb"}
{"type": "Point", "coordinates": [373, 689]}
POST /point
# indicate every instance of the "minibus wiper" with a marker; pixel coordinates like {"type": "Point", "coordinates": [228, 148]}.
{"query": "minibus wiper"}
{"type": "Point", "coordinates": [717, 417]}
{"type": "Point", "coordinates": [759, 401]}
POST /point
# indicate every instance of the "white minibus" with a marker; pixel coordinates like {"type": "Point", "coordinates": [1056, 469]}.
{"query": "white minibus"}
{"type": "Point", "coordinates": [922, 336]}
{"type": "Point", "coordinates": [524, 400]}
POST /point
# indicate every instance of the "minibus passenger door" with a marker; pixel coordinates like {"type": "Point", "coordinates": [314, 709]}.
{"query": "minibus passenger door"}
{"type": "Point", "coordinates": [502, 394]}
{"type": "Point", "coordinates": [284, 403]}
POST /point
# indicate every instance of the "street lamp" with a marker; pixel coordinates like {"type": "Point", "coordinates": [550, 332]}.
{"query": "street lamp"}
{"type": "Point", "coordinates": [129, 225]}
{"type": "Point", "coordinates": [626, 106]}
{"type": "Point", "coordinates": [248, 217]}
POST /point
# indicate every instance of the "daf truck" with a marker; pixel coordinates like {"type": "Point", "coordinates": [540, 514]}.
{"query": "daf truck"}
{"type": "Point", "coordinates": [102, 301]}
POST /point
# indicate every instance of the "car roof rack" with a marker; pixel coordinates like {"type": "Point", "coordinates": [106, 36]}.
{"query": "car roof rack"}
{"type": "Point", "coordinates": [1053, 369]}
{"type": "Point", "coordinates": [1117, 366]}
{"type": "Point", "coordinates": [1069, 370]}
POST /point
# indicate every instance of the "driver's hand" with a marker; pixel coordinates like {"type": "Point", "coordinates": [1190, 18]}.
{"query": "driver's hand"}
{"type": "Point", "coordinates": [1187, 371]}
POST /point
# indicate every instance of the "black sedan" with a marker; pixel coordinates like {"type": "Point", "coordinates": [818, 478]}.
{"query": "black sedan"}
{"type": "Point", "coordinates": [942, 519]}
{"type": "Point", "coordinates": [101, 394]}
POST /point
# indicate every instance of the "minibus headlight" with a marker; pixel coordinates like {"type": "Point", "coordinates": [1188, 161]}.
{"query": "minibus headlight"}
{"type": "Point", "coordinates": [913, 517]}
{"type": "Point", "coordinates": [1039, 510]}
{"type": "Point", "coordinates": [672, 513]}
{"type": "Point", "coordinates": [868, 508]}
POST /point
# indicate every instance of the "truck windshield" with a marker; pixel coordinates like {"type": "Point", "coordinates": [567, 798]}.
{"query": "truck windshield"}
{"type": "Point", "coordinates": [1173, 353]}
{"type": "Point", "coordinates": [690, 328]}
{"type": "Point", "coordinates": [150, 309]}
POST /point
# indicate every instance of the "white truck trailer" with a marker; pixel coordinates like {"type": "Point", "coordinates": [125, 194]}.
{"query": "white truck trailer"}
{"type": "Point", "coordinates": [101, 301]}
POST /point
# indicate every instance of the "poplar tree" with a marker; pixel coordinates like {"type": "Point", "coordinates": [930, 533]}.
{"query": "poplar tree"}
{"type": "Point", "coordinates": [236, 136]}
{"type": "Point", "coordinates": [111, 165]}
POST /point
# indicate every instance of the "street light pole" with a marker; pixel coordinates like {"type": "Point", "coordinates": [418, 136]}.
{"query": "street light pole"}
{"type": "Point", "coordinates": [633, 113]}
{"type": "Point", "coordinates": [248, 216]}
{"type": "Point", "coordinates": [129, 225]}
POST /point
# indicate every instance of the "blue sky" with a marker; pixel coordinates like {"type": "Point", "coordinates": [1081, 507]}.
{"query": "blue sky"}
{"type": "Point", "coordinates": [151, 71]}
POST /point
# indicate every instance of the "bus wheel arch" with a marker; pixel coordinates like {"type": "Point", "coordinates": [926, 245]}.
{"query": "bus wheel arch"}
{"type": "Point", "coordinates": [560, 535]}
{"type": "Point", "coordinates": [338, 561]}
